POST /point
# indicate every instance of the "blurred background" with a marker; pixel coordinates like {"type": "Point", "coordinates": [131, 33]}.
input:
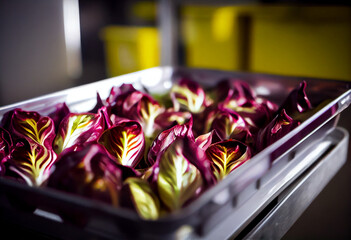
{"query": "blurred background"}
{"type": "Point", "coordinates": [50, 45]}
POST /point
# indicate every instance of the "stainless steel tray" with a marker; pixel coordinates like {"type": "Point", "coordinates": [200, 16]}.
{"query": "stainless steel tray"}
{"type": "Point", "coordinates": [256, 181]}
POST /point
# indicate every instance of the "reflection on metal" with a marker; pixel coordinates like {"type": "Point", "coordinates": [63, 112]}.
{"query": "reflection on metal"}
{"type": "Point", "coordinates": [168, 27]}
{"type": "Point", "coordinates": [72, 37]}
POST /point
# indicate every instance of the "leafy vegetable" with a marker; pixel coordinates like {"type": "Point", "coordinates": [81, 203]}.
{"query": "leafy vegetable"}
{"type": "Point", "coordinates": [5, 147]}
{"type": "Point", "coordinates": [118, 94]}
{"type": "Point", "coordinates": [78, 128]}
{"type": "Point", "coordinates": [141, 107]}
{"type": "Point", "coordinates": [32, 162]}
{"type": "Point", "coordinates": [170, 118]}
{"type": "Point", "coordinates": [256, 111]}
{"type": "Point", "coordinates": [281, 125]}
{"type": "Point", "coordinates": [297, 102]}
{"type": "Point", "coordinates": [5, 143]}
{"type": "Point", "coordinates": [33, 127]}
{"type": "Point", "coordinates": [59, 114]}
{"type": "Point", "coordinates": [179, 178]}
{"type": "Point", "coordinates": [188, 95]}
{"type": "Point", "coordinates": [229, 124]}
{"type": "Point", "coordinates": [124, 142]}
{"type": "Point", "coordinates": [90, 172]}
{"type": "Point", "coordinates": [99, 104]}
{"type": "Point", "coordinates": [167, 137]}
{"type": "Point", "coordinates": [226, 156]}
{"type": "Point", "coordinates": [151, 156]}
{"type": "Point", "coordinates": [137, 194]}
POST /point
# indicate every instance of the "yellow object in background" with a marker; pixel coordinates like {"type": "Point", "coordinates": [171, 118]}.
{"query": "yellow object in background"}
{"type": "Point", "coordinates": [210, 36]}
{"type": "Point", "coordinates": [129, 49]}
{"type": "Point", "coordinates": [286, 40]}
{"type": "Point", "coordinates": [302, 41]}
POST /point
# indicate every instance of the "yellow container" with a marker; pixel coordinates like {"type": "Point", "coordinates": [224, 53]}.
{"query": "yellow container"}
{"type": "Point", "coordinates": [210, 36]}
{"type": "Point", "coordinates": [130, 48]}
{"type": "Point", "coordinates": [286, 40]}
{"type": "Point", "coordinates": [302, 41]}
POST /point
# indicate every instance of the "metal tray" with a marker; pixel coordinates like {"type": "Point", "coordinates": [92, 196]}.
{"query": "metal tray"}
{"type": "Point", "coordinates": [258, 180]}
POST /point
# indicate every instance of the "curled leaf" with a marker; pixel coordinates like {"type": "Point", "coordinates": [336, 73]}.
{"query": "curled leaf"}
{"type": "Point", "coordinates": [90, 172]}
{"type": "Point", "coordinates": [229, 124]}
{"type": "Point", "coordinates": [33, 127]}
{"type": "Point", "coordinates": [170, 118]}
{"type": "Point", "coordinates": [178, 180]}
{"type": "Point", "coordinates": [5, 148]}
{"type": "Point", "coordinates": [137, 194]}
{"type": "Point", "coordinates": [118, 95]}
{"type": "Point", "coordinates": [276, 129]}
{"type": "Point", "coordinates": [226, 156]}
{"type": "Point", "coordinates": [167, 137]}
{"type": "Point", "coordinates": [59, 114]}
{"type": "Point", "coordinates": [76, 129]}
{"type": "Point", "coordinates": [189, 96]}
{"type": "Point", "coordinates": [125, 142]}
{"type": "Point", "coordinates": [31, 162]}
{"type": "Point", "coordinates": [5, 143]}
{"type": "Point", "coordinates": [297, 102]}
{"type": "Point", "coordinates": [139, 106]}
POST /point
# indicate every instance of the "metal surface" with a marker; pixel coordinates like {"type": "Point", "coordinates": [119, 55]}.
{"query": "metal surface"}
{"type": "Point", "coordinates": [242, 194]}
{"type": "Point", "coordinates": [272, 210]}
{"type": "Point", "coordinates": [168, 25]}
{"type": "Point", "coordinates": [293, 201]}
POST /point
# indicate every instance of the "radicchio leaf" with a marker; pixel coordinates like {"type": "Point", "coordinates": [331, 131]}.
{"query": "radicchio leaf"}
{"type": "Point", "coordinates": [78, 128]}
{"type": "Point", "coordinates": [229, 124]}
{"type": "Point", "coordinates": [205, 140]}
{"type": "Point", "coordinates": [125, 142]}
{"type": "Point", "coordinates": [5, 143]}
{"type": "Point", "coordinates": [276, 129]}
{"type": "Point", "coordinates": [226, 156]}
{"type": "Point", "coordinates": [237, 89]}
{"type": "Point", "coordinates": [33, 127]}
{"type": "Point", "coordinates": [297, 102]}
{"type": "Point", "coordinates": [32, 162]}
{"type": "Point", "coordinates": [257, 113]}
{"type": "Point", "coordinates": [178, 178]}
{"type": "Point", "coordinates": [118, 94]}
{"type": "Point", "coordinates": [189, 96]}
{"type": "Point", "coordinates": [137, 194]}
{"type": "Point", "coordinates": [99, 104]}
{"type": "Point", "coordinates": [6, 120]}
{"type": "Point", "coordinates": [59, 114]}
{"type": "Point", "coordinates": [90, 172]}
{"type": "Point", "coordinates": [141, 107]}
{"type": "Point", "coordinates": [170, 118]}
{"type": "Point", "coordinates": [167, 137]}
{"type": "Point", "coordinates": [5, 147]}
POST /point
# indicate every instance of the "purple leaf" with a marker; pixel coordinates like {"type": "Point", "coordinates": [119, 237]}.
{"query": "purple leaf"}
{"type": "Point", "coordinates": [137, 194]}
{"type": "Point", "coordinates": [170, 118]}
{"type": "Point", "coordinates": [297, 101]}
{"type": "Point", "coordinates": [5, 148]}
{"type": "Point", "coordinates": [33, 127]}
{"type": "Point", "coordinates": [124, 142]}
{"type": "Point", "coordinates": [189, 96]}
{"type": "Point", "coordinates": [167, 137]}
{"type": "Point", "coordinates": [32, 162]}
{"type": "Point", "coordinates": [181, 173]}
{"type": "Point", "coordinates": [226, 156]}
{"type": "Point", "coordinates": [78, 128]}
{"type": "Point", "coordinates": [90, 172]}
{"type": "Point", "coordinates": [60, 113]}
{"type": "Point", "coordinates": [281, 125]}
{"type": "Point", "coordinates": [229, 124]}
{"type": "Point", "coordinates": [99, 104]}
